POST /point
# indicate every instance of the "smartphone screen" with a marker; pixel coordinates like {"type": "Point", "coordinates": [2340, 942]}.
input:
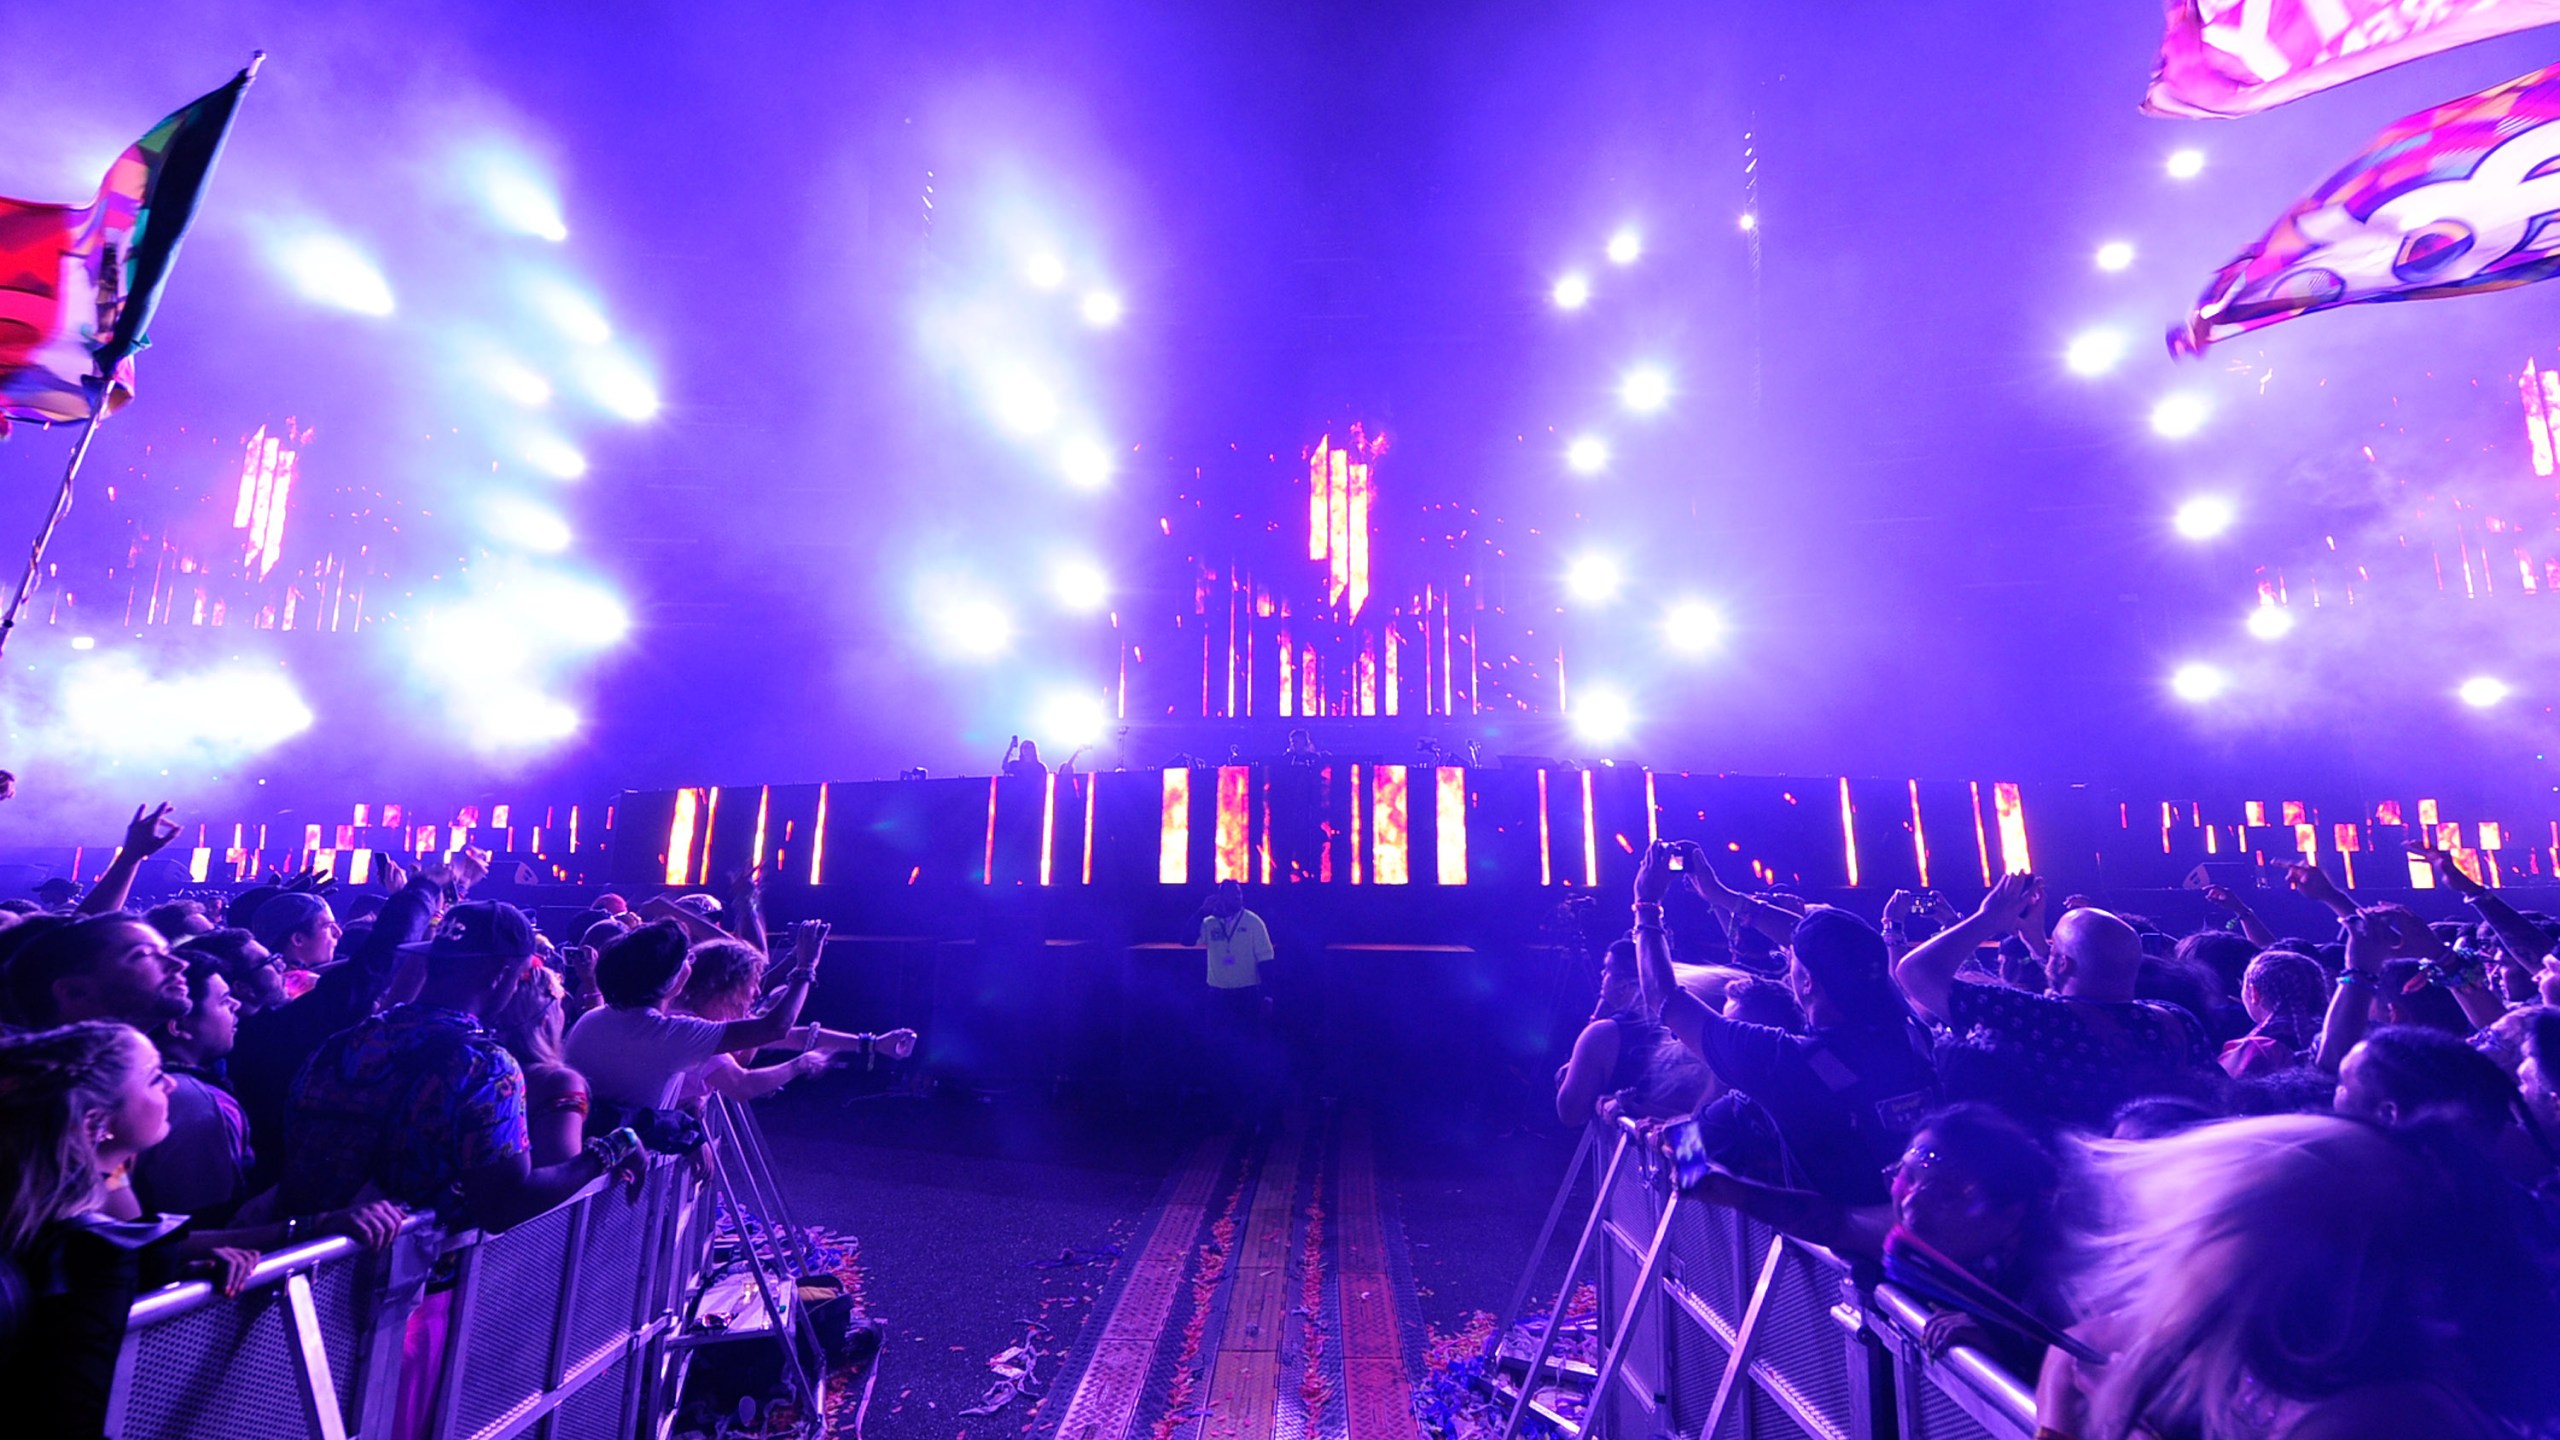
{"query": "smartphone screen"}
{"type": "Point", "coordinates": [1679, 861]}
{"type": "Point", "coordinates": [1689, 1162]}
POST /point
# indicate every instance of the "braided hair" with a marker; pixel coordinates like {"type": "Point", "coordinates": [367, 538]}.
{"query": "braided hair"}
{"type": "Point", "coordinates": [52, 1084]}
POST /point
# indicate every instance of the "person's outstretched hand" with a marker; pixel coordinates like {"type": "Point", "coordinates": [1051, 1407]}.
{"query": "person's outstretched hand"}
{"type": "Point", "coordinates": [374, 1224]}
{"type": "Point", "coordinates": [148, 835]}
{"type": "Point", "coordinates": [1653, 873]}
{"type": "Point", "coordinates": [227, 1268]}
{"type": "Point", "coordinates": [2448, 874]}
{"type": "Point", "coordinates": [2012, 899]}
{"type": "Point", "coordinates": [901, 1043]}
{"type": "Point", "coordinates": [2312, 881]}
{"type": "Point", "coordinates": [1702, 876]}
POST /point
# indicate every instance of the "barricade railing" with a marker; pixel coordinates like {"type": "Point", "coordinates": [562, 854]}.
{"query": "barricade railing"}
{"type": "Point", "coordinates": [1713, 1326]}
{"type": "Point", "coordinates": [561, 1322]}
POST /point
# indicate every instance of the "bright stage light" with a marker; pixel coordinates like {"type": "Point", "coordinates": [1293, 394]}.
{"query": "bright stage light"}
{"type": "Point", "coordinates": [2178, 416]}
{"type": "Point", "coordinates": [1071, 720]}
{"type": "Point", "coordinates": [555, 457]}
{"type": "Point", "coordinates": [84, 642]}
{"type": "Point", "coordinates": [1572, 292]}
{"type": "Point", "coordinates": [572, 314]}
{"type": "Point", "coordinates": [2482, 691]}
{"type": "Point", "coordinates": [1086, 464]}
{"type": "Point", "coordinates": [576, 611]}
{"type": "Point", "coordinates": [1101, 309]}
{"type": "Point", "coordinates": [110, 706]}
{"type": "Point", "coordinates": [1693, 627]}
{"type": "Point", "coordinates": [1625, 247]}
{"type": "Point", "coordinates": [520, 202]}
{"type": "Point", "coordinates": [1022, 404]}
{"type": "Point", "coordinates": [2196, 682]}
{"type": "Point", "coordinates": [618, 384]}
{"type": "Point", "coordinates": [1600, 715]}
{"type": "Point", "coordinates": [2271, 622]}
{"type": "Point", "coordinates": [2094, 352]}
{"type": "Point", "coordinates": [969, 627]}
{"type": "Point", "coordinates": [1594, 578]}
{"type": "Point", "coordinates": [1588, 455]}
{"type": "Point", "coordinates": [1044, 271]}
{"type": "Point", "coordinates": [516, 380]}
{"type": "Point", "coordinates": [2204, 516]}
{"type": "Point", "coordinates": [523, 523]}
{"type": "Point", "coordinates": [330, 271]}
{"type": "Point", "coordinates": [2115, 255]}
{"type": "Point", "coordinates": [2185, 164]}
{"type": "Point", "coordinates": [1750, 221]}
{"type": "Point", "coordinates": [1645, 389]}
{"type": "Point", "coordinates": [514, 717]}
{"type": "Point", "coordinates": [1080, 586]}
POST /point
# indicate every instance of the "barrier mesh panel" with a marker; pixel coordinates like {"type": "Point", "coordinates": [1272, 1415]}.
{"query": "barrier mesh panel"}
{"type": "Point", "coordinates": [224, 1369]}
{"type": "Point", "coordinates": [337, 1298]}
{"type": "Point", "coordinates": [596, 1411]}
{"type": "Point", "coordinates": [1943, 1419]}
{"type": "Point", "coordinates": [514, 1315]}
{"type": "Point", "coordinates": [1800, 1347]}
{"type": "Point", "coordinates": [609, 1273]}
{"type": "Point", "coordinates": [1696, 1364]}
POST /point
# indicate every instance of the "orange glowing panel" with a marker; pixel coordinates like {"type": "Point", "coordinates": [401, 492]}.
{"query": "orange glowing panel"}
{"type": "Point", "coordinates": [1173, 835]}
{"type": "Point", "coordinates": [1356, 858]}
{"type": "Point", "coordinates": [1048, 826]}
{"type": "Point", "coordinates": [2422, 876]}
{"type": "Point", "coordinates": [1590, 834]}
{"type": "Point", "coordinates": [2386, 812]}
{"type": "Point", "coordinates": [2343, 837]}
{"type": "Point", "coordinates": [764, 813]}
{"type": "Point", "coordinates": [2255, 812]}
{"type": "Point", "coordinates": [1393, 825]}
{"type": "Point", "coordinates": [2448, 836]}
{"type": "Point", "coordinates": [1338, 527]}
{"type": "Point", "coordinates": [1356, 523]}
{"type": "Point", "coordinates": [1089, 788]}
{"type": "Point", "coordinates": [1235, 814]}
{"type": "Point", "coordinates": [1982, 842]}
{"type": "Point", "coordinates": [2295, 812]}
{"type": "Point", "coordinates": [2013, 827]}
{"type": "Point", "coordinates": [2491, 836]}
{"type": "Point", "coordinates": [987, 872]}
{"type": "Point", "coordinates": [2426, 812]}
{"type": "Point", "coordinates": [1320, 500]}
{"type": "Point", "coordinates": [680, 834]}
{"type": "Point", "coordinates": [2306, 839]}
{"type": "Point", "coordinates": [1392, 649]}
{"type": "Point", "coordinates": [1919, 837]}
{"type": "Point", "coordinates": [1652, 811]}
{"type": "Point", "coordinates": [1849, 832]}
{"type": "Point", "coordinates": [1546, 836]}
{"type": "Point", "coordinates": [1451, 810]}
{"type": "Point", "coordinates": [817, 839]}
{"type": "Point", "coordinates": [2550, 409]}
{"type": "Point", "coordinates": [1288, 677]}
{"type": "Point", "coordinates": [710, 819]}
{"type": "Point", "coordinates": [200, 864]}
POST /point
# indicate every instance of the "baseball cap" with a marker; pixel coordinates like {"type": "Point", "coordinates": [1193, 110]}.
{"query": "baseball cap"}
{"type": "Point", "coordinates": [478, 930]}
{"type": "Point", "coordinates": [283, 915]}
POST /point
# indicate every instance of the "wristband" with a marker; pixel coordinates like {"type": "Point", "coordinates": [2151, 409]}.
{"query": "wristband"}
{"type": "Point", "coordinates": [612, 1150]}
{"type": "Point", "coordinates": [2351, 977]}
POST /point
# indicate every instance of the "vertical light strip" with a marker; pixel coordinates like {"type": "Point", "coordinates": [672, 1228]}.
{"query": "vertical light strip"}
{"type": "Point", "coordinates": [710, 822]}
{"type": "Point", "coordinates": [1356, 858]}
{"type": "Point", "coordinates": [1546, 835]}
{"type": "Point", "coordinates": [2013, 826]}
{"type": "Point", "coordinates": [272, 543]}
{"type": "Point", "coordinates": [1338, 527]}
{"type": "Point", "coordinates": [1451, 805]}
{"type": "Point", "coordinates": [1652, 812]}
{"type": "Point", "coordinates": [1393, 826]}
{"type": "Point", "coordinates": [680, 837]}
{"type": "Point", "coordinates": [2551, 403]}
{"type": "Point", "coordinates": [988, 875]}
{"type": "Point", "coordinates": [1392, 649]}
{"type": "Point", "coordinates": [2537, 425]}
{"type": "Point", "coordinates": [1849, 831]}
{"type": "Point", "coordinates": [1173, 832]}
{"type": "Point", "coordinates": [1262, 838]}
{"type": "Point", "coordinates": [1048, 826]}
{"type": "Point", "coordinates": [1319, 499]}
{"type": "Point", "coordinates": [1288, 676]}
{"type": "Point", "coordinates": [817, 840]}
{"type": "Point", "coordinates": [1590, 834]}
{"type": "Point", "coordinates": [764, 811]}
{"type": "Point", "coordinates": [249, 480]}
{"type": "Point", "coordinates": [1235, 814]}
{"type": "Point", "coordinates": [1356, 524]}
{"type": "Point", "coordinates": [1982, 841]}
{"type": "Point", "coordinates": [1919, 837]}
{"type": "Point", "coordinates": [1090, 784]}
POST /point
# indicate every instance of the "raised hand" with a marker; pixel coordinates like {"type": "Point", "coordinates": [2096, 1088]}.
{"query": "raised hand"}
{"type": "Point", "coordinates": [2448, 874]}
{"type": "Point", "coordinates": [2312, 881]}
{"type": "Point", "coordinates": [1898, 905]}
{"type": "Point", "coordinates": [2012, 899]}
{"type": "Point", "coordinates": [896, 1044]}
{"type": "Point", "coordinates": [2220, 897]}
{"type": "Point", "coordinates": [1702, 876]}
{"type": "Point", "coordinates": [148, 835]}
{"type": "Point", "coordinates": [1653, 873]}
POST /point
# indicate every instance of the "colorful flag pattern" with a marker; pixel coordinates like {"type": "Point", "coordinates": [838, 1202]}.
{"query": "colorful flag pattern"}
{"type": "Point", "coordinates": [79, 283]}
{"type": "Point", "coordinates": [2461, 198]}
{"type": "Point", "coordinates": [2226, 58]}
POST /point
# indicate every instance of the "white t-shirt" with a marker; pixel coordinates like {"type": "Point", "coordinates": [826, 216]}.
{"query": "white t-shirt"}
{"type": "Point", "coordinates": [637, 1058]}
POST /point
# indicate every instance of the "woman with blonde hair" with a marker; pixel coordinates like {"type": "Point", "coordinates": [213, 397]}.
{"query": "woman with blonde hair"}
{"type": "Point", "coordinates": [723, 979]}
{"type": "Point", "coordinates": [2306, 1277]}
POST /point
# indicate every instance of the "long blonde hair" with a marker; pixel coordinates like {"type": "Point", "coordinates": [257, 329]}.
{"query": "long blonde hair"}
{"type": "Point", "coordinates": [2279, 1261]}
{"type": "Point", "coordinates": [52, 1084]}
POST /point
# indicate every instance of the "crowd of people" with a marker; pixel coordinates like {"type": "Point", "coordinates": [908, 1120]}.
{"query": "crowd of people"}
{"type": "Point", "coordinates": [188, 1088]}
{"type": "Point", "coordinates": [2232, 1183]}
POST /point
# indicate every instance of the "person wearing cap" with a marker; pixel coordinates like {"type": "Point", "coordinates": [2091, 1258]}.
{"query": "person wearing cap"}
{"type": "Point", "coordinates": [1845, 1096]}
{"type": "Point", "coordinates": [424, 1104]}
{"type": "Point", "coordinates": [299, 928]}
{"type": "Point", "coordinates": [635, 1054]}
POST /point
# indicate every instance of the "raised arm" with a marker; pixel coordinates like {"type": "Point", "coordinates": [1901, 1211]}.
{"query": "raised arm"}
{"type": "Point", "coordinates": [2311, 880]}
{"type": "Point", "coordinates": [1682, 1013]}
{"type": "Point", "coordinates": [2521, 943]}
{"type": "Point", "coordinates": [757, 1031]}
{"type": "Point", "coordinates": [1805, 1214]}
{"type": "Point", "coordinates": [2255, 930]}
{"type": "Point", "coordinates": [2369, 942]}
{"type": "Point", "coordinates": [1731, 905]}
{"type": "Point", "coordinates": [145, 837]}
{"type": "Point", "coordinates": [1928, 972]}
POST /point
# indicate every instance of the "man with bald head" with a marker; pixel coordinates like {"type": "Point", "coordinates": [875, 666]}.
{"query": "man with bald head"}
{"type": "Point", "coordinates": [2073, 1055]}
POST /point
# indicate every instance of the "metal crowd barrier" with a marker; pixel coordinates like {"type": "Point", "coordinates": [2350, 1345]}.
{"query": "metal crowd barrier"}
{"type": "Point", "coordinates": [1713, 1326]}
{"type": "Point", "coordinates": [558, 1327]}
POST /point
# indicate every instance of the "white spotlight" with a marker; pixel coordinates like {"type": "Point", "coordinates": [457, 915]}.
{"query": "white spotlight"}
{"type": "Point", "coordinates": [619, 385]}
{"type": "Point", "coordinates": [2185, 164]}
{"type": "Point", "coordinates": [2204, 516]}
{"type": "Point", "coordinates": [573, 314]}
{"type": "Point", "coordinates": [2094, 352]}
{"type": "Point", "coordinates": [330, 271]}
{"type": "Point", "coordinates": [2270, 621]}
{"type": "Point", "coordinates": [1625, 247]}
{"type": "Point", "coordinates": [555, 457]}
{"type": "Point", "coordinates": [1594, 578]}
{"type": "Point", "coordinates": [519, 521]}
{"type": "Point", "coordinates": [1044, 271]}
{"type": "Point", "coordinates": [1645, 389]}
{"type": "Point", "coordinates": [1588, 455]}
{"type": "Point", "coordinates": [1693, 627]}
{"type": "Point", "coordinates": [1572, 292]}
{"type": "Point", "coordinates": [1750, 221]}
{"type": "Point", "coordinates": [84, 642]}
{"type": "Point", "coordinates": [1071, 720]}
{"type": "Point", "coordinates": [2178, 416]}
{"type": "Point", "coordinates": [2482, 691]}
{"type": "Point", "coordinates": [1080, 586]}
{"type": "Point", "coordinates": [1600, 715]}
{"type": "Point", "coordinates": [521, 203]}
{"type": "Point", "coordinates": [1086, 464]}
{"type": "Point", "coordinates": [517, 381]}
{"type": "Point", "coordinates": [578, 612]}
{"type": "Point", "coordinates": [1101, 309]}
{"type": "Point", "coordinates": [1023, 405]}
{"type": "Point", "coordinates": [2196, 682]}
{"type": "Point", "coordinates": [2115, 255]}
{"type": "Point", "coordinates": [516, 716]}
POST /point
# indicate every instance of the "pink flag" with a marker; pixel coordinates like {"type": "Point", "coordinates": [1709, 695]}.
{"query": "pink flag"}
{"type": "Point", "coordinates": [2226, 58]}
{"type": "Point", "coordinates": [2448, 201]}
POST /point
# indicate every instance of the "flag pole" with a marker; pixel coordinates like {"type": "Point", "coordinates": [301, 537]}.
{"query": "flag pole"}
{"type": "Point", "coordinates": [61, 507]}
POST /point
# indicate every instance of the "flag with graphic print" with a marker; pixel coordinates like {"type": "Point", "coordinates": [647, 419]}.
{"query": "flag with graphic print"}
{"type": "Point", "coordinates": [79, 283]}
{"type": "Point", "coordinates": [2222, 59]}
{"type": "Point", "coordinates": [2461, 198]}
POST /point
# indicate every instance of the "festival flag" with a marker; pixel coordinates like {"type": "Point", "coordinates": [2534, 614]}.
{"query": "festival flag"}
{"type": "Point", "coordinates": [2222, 59]}
{"type": "Point", "coordinates": [2461, 198]}
{"type": "Point", "coordinates": [78, 284]}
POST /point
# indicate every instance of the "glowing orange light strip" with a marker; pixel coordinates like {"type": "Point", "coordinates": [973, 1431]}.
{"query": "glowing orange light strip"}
{"type": "Point", "coordinates": [988, 875]}
{"type": "Point", "coordinates": [1546, 839]}
{"type": "Point", "coordinates": [1089, 786]}
{"type": "Point", "coordinates": [1394, 835]}
{"type": "Point", "coordinates": [1319, 499]}
{"type": "Point", "coordinates": [680, 837]}
{"type": "Point", "coordinates": [1982, 841]}
{"type": "Point", "coordinates": [764, 811]}
{"type": "Point", "coordinates": [1048, 824]}
{"type": "Point", "coordinates": [1355, 825]}
{"type": "Point", "coordinates": [1173, 834]}
{"type": "Point", "coordinates": [1356, 523]}
{"type": "Point", "coordinates": [1235, 814]}
{"type": "Point", "coordinates": [1919, 837]}
{"type": "Point", "coordinates": [710, 821]}
{"type": "Point", "coordinates": [817, 840]}
{"type": "Point", "coordinates": [1849, 831]}
{"type": "Point", "coordinates": [2013, 827]}
{"type": "Point", "coordinates": [1590, 834]}
{"type": "Point", "coordinates": [1451, 806]}
{"type": "Point", "coordinates": [1652, 812]}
